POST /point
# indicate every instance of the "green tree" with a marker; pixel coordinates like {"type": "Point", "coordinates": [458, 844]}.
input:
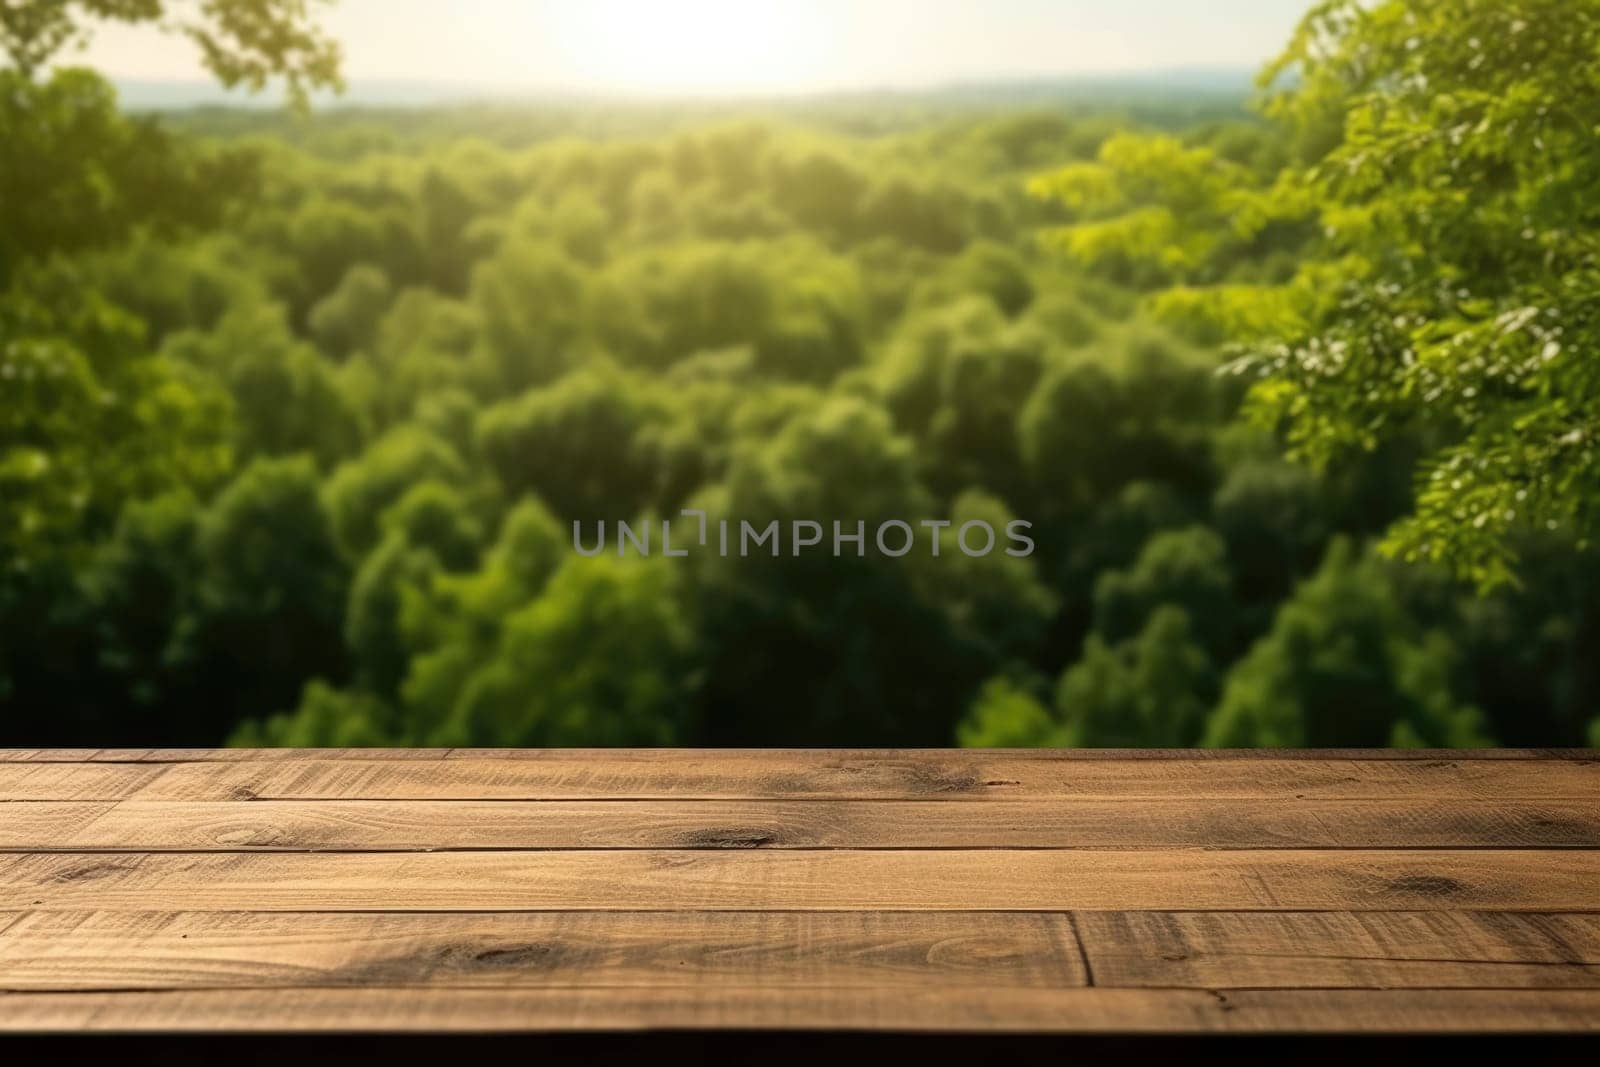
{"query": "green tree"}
{"type": "Point", "coordinates": [1272, 514]}
{"type": "Point", "coordinates": [955, 377]}
{"type": "Point", "coordinates": [1344, 666]}
{"type": "Point", "coordinates": [1456, 278]}
{"type": "Point", "coordinates": [326, 718]}
{"type": "Point", "coordinates": [1153, 690]}
{"type": "Point", "coordinates": [295, 416]}
{"type": "Point", "coordinates": [242, 42]}
{"type": "Point", "coordinates": [373, 627]}
{"type": "Point", "coordinates": [530, 299]}
{"type": "Point", "coordinates": [1006, 714]}
{"type": "Point", "coordinates": [76, 388]}
{"type": "Point", "coordinates": [583, 444]}
{"type": "Point", "coordinates": [286, 398]}
{"type": "Point", "coordinates": [1446, 155]}
{"type": "Point", "coordinates": [1187, 568]}
{"type": "Point", "coordinates": [139, 584]}
{"type": "Point", "coordinates": [863, 647]}
{"type": "Point", "coordinates": [1134, 408]}
{"type": "Point", "coordinates": [270, 594]}
{"type": "Point", "coordinates": [420, 354]}
{"type": "Point", "coordinates": [361, 490]}
{"type": "Point", "coordinates": [428, 533]}
{"type": "Point", "coordinates": [454, 625]}
{"type": "Point", "coordinates": [90, 177]}
{"type": "Point", "coordinates": [328, 236]}
{"type": "Point", "coordinates": [602, 657]}
{"type": "Point", "coordinates": [1151, 209]}
{"type": "Point", "coordinates": [346, 320]}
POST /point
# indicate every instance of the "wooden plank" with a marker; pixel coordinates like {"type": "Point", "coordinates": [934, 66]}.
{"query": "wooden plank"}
{"type": "Point", "coordinates": [827, 880]}
{"type": "Point", "coordinates": [572, 890]}
{"type": "Point", "coordinates": [229, 755]}
{"type": "Point", "coordinates": [1314, 755]}
{"type": "Point", "coordinates": [674, 755]}
{"type": "Point", "coordinates": [1093, 1010]}
{"type": "Point", "coordinates": [786, 775]}
{"type": "Point", "coordinates": [377, 825]}
{"type": "Point", "coordinates": [1381, 950]}
{"type": "Point", "coordinates": [113, 951]}
{"type": "Point", "coordinates": [27, 781]}
{"type": "Point", "coordinates": [109, 951]}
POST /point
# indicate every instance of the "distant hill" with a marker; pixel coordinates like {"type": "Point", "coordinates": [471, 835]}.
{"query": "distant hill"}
{"type": "Point", "coordinates": [1205, 86]}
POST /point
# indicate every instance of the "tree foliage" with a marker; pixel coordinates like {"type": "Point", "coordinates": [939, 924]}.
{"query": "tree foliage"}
{"type": "Point", "coordinates": [241, 42]}
{"type": "Point", "coordinates": [1439, 200]}
{"type": "Point", "coordinates": [296, 415]}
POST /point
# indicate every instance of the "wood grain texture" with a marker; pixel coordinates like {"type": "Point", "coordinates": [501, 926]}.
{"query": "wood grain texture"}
{"type": "Point", "coordinates": [1096, 1010]}
{"type": "Point", "coordinates": [119, 951]}
{"type": "Point", "coordinates": [955, 776]}
{"type": "Point", "coordinates": [763, 880]}
{"type": "Point", "coordinates": [408, 825]}
{"type": "Point", "coordinates": [143, 950]}
{"type": "Point", "coordinates": [506, 890]}
{"type": "Point", "coordinates": [1332, 950]}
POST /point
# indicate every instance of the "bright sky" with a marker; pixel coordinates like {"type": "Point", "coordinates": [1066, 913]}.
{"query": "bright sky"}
{"type": "Point", "coordinates": [755, 45]}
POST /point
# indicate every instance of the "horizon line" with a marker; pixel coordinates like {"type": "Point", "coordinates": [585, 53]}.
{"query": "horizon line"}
{"type": "Point", "coordinates": [422, 91]}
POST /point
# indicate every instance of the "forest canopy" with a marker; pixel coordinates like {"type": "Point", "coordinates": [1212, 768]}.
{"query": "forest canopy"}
{"type": "Point", "coordinates": [1299, 401]}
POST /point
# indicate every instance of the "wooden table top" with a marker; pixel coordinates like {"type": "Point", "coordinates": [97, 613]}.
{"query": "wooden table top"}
{"type": "Point", "coordinates": [552, 891]}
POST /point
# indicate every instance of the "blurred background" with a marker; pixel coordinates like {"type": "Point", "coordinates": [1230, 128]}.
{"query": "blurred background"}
{"type": "Point", "coordinates": [321, 323]}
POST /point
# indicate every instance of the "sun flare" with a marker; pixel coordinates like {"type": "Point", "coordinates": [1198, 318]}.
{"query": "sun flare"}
{"type": "Point", "coordinates": [691, 45]}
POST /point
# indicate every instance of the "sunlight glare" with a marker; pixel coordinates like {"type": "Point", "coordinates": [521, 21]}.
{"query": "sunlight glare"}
{"type": "Point", "coordinates": [711, 46]}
